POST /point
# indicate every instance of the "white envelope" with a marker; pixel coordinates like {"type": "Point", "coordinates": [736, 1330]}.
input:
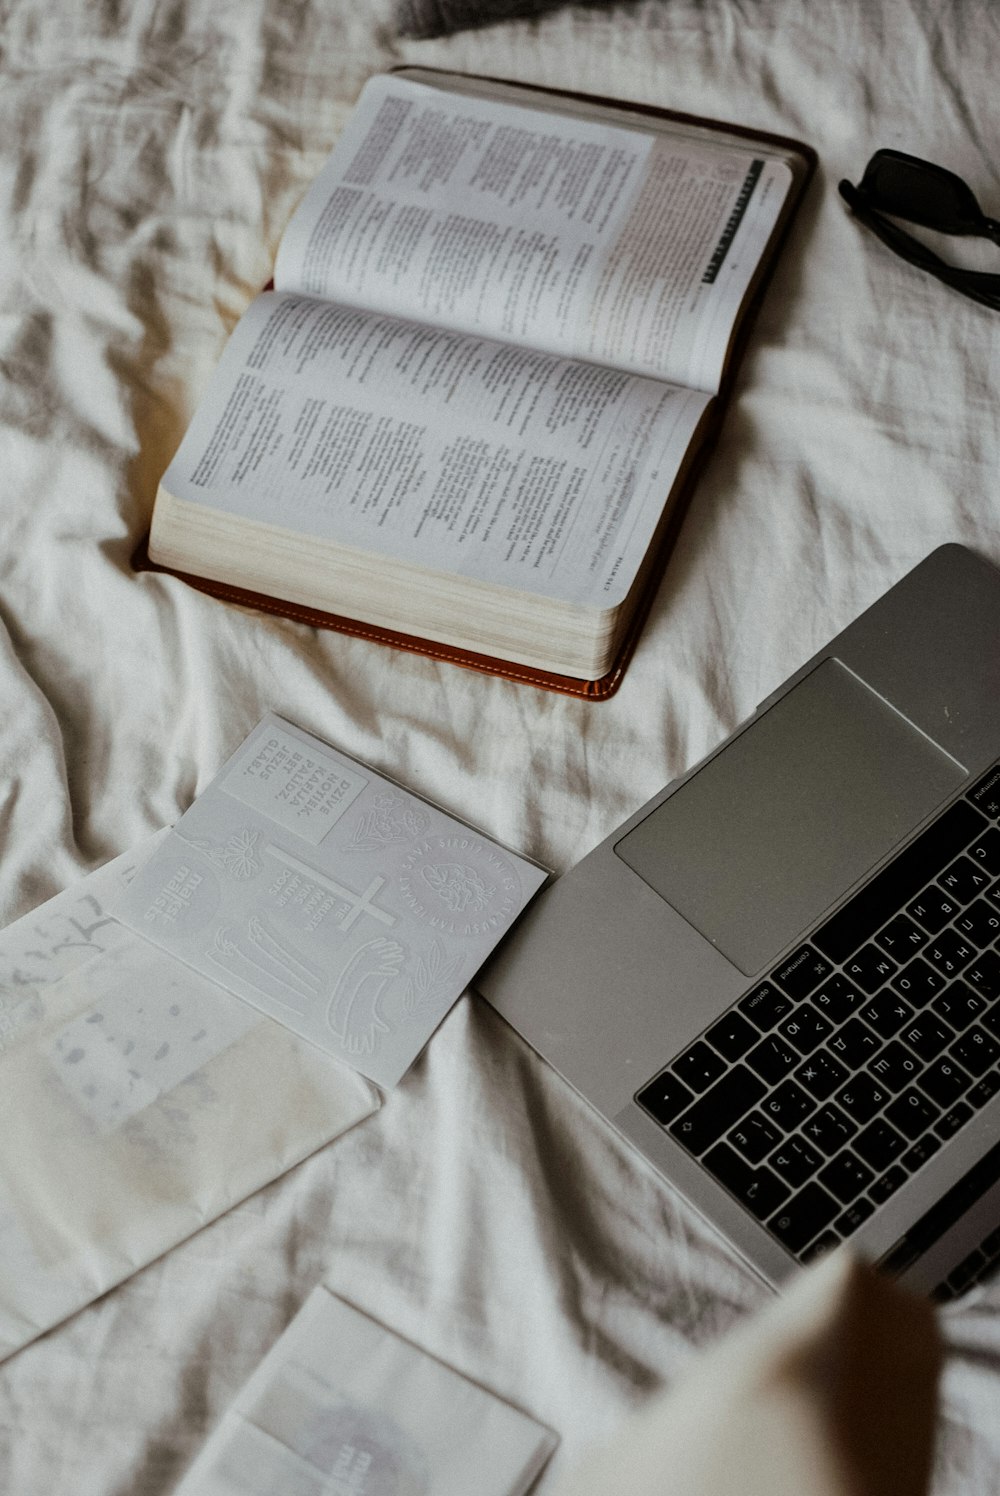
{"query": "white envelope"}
{"type": "Point", "coordinates": [121, 1075]}
{"type": "Point", "coordinates": [342, 1406]}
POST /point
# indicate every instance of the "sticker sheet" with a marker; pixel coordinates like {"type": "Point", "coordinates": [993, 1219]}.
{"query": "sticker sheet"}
{"type": "Point", "coordinates": [347, 908]}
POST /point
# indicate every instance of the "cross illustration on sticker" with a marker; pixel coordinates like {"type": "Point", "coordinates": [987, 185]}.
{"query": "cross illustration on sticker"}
{"type": "Point", "coordinates": [357, 903]}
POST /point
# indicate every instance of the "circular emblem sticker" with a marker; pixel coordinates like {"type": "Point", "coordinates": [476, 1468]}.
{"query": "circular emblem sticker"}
{"type": "Point", "coordinates": [363, 1452]}
{"type": "Point", "coordinates": [459, 885]}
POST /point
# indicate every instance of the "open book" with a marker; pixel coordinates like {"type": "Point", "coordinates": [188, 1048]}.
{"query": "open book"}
{"type": "Point", "coordinates": [501, 324]}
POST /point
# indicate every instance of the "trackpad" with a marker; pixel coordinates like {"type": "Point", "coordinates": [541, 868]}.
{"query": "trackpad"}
{"type": "Point", "coordinates": [777, 826]}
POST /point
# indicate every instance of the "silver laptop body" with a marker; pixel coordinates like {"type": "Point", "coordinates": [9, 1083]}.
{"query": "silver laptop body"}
{"type": "Point", "coordinates": [721, 977]}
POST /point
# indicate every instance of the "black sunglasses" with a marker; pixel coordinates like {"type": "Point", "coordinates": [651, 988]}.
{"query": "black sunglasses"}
{"type": "Point", "coordinates": [899, 186]}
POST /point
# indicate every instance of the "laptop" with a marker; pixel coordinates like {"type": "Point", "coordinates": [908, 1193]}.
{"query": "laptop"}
{"type": "Point", "coordinates": [780, 979]}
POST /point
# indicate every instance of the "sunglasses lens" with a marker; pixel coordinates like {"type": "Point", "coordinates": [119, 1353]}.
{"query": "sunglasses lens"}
{"type": "Point", "coordinates": [921, 193]}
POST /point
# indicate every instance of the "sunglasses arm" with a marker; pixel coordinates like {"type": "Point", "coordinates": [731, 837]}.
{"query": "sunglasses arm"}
{"type": "Point", "coordinates": [982, 286]}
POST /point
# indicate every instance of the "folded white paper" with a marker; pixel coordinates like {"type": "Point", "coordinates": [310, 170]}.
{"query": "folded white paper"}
{"type": "Point", "coordinates": [121, 1074]}
{"type": "Point", "coordinates": [350, 910]}
{"type": "Point", "coordinates": [341, 1406]}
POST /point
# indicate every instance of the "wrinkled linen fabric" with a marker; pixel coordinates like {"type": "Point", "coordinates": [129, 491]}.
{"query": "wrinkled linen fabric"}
{"type": "Point", "coordinates": [150, 153]}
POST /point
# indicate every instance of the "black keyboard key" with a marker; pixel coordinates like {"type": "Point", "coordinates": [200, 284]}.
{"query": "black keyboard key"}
{"type": "Point", "coordinates": [979, 923]}
{"type": "Point", "coordinates": [758, 1189]}
{"type": "Point", "coordinates": [952, 1120]}
{"type": "Point", "coordinates": [881, 898]}
{"type": "Point", "coordinates": [829, 1129]}
{"type": "Point", "coordinates": [796, 1161]}
{"type": "Point", "coordinates": [886, 1013]}
{"type": "Point", "coordinates": [950, 952]}
{"type": "Point", "coordinates": [870, 968]}
{"type": "Point", "coordinates": [887, 1185]}
{"type": "Point", "coordinates": [991, 1244]}
{"type": "Point", "coordinates": [854, 1216]}
{"type": "Point", "coordinates": [993, 894]}
{"type": "Point", "coordinates": [836, 999]}
{"type": "Point", "coordinates": [915, 1158]}
{"type": "Point", "coordinates": [821, 1074]}
{"type": "Point", "coordinates": [719, 1109]}
{"type": "Point", "coordinates": [984, 974]}
{"type": "Point", "coordinates": [945, 1081]}
{"type": "Point", "coordinates": [985, 793]}
{"type": "Point", "coordinates": [803, 1217]}
{"type": "Point", "coordinates": [990, 1019]}
{"type": "Point", "coordinates": [854, 1043]}
{"type": "Point", "coordinates": [927, 1036]}
{"type": "Point", "coordinates": [967, 1271]}
{"type": "Point", "coordinates": [846, 1176]}
{"type": "Point", "coordinates": [946, 1210]}
{"type": "Point", "coordinates": [772, 1059]}
{"type": "Point", "coordinates": [805, 1028]}
{"type": "Point", "coordinates": [698, 1066]}
{"type": "Point", "coordinates": [959, 1005]}
{"type": "Point", "coordinates": [788, 1105]}
{"type": "Point", "coordinates": [964, 880]}
{"type": "Point", "coordinates": [861, 1098]}
{"type": "Point", "coordinates": [976, 1050]}
{"type": "Point", "coordinates": [895, 1067]}
{"type": "Point", "coordinates": [912, 1113]}
{"type": "Point", "coordinates": [933, 908]}
{"type": "Point", "coordinates": [819, 1248]}
{"type": "Point", "coordinates": [981, 879]}
{"type": "Point", "coordinates": [918, 982]}
{"type": "Point", "coordinates": [765, 1005]}
{"type": "Point", "coordinates": [732, 1036]}
{"type": "Point", "coordinates": [901, 938]}
{"type": "Point", "coordinates": [984, 1090]}
{"type": "Point", "coordinates": [665, 1097]}
{"type": "Point", "coordinates": [754, 1137]}
{"type": "Point", "coordinates": [986, 852]}
{"type": "Point", "coordinates": [879, 1144]}
{"type": "Point", "coordinates": [800, 972]}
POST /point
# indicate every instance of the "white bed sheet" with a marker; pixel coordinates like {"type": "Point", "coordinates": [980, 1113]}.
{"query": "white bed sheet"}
{"type": "Point", "coordinates": [150, 153]}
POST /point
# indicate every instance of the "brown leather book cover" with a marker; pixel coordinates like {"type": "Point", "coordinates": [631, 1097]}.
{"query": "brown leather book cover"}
{"type": "Point", "coordinates": [593, 690]}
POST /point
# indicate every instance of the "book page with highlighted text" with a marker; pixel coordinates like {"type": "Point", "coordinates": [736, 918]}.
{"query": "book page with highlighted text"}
{"type": "Point", "coordinates": [613, 243]}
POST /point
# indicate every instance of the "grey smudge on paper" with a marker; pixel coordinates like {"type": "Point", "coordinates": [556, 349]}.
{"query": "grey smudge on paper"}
{"type": "Point", "coordinates": [116, 1060]}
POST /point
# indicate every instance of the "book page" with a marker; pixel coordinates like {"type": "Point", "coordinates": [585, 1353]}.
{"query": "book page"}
{"type": "Point", "coordinates": [625, 246]}
{"type": "Point", "coordinates": [456, 453]}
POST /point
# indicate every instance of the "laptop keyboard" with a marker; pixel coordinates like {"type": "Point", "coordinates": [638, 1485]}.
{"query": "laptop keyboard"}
{"type": "Point", "coordinates": [833, 1080]}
